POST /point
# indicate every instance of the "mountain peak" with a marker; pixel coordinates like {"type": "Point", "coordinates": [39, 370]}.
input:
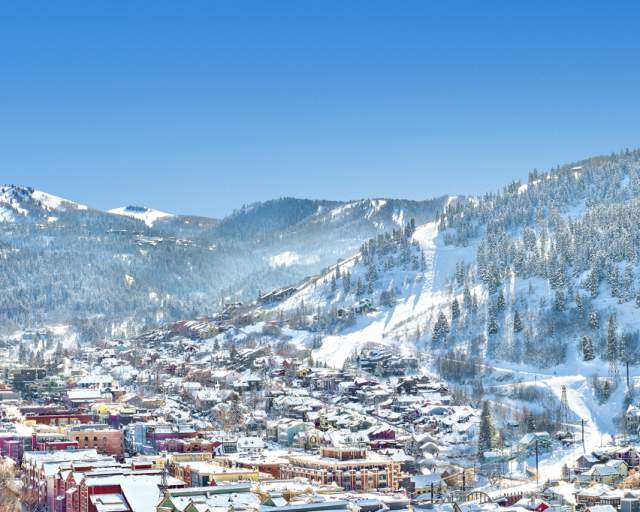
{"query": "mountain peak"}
{"type": "Point", "coordinates": [17, 201]}
{"type": "Point", "coordinates": [147, 215]}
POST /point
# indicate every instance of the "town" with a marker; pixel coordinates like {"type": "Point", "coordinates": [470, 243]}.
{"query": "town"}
{"type": "Point", "coordinates": [198, 418]}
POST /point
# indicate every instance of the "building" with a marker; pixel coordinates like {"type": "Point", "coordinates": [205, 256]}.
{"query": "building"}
{"type": "Point", "coordinates": [122, 491]}
{"type": "Point", "coordinates": [104, 439]}
{"type": "Point", "coordinates": [40, 469]}
{"type": "Point", "coordinates": [201, 473]}
{"type": "Point", "coordinates": [237, 497]}
{"type": "Point", "coordinates": [268, 462]}
{"type": "Point", "coordinates": [354, 469]}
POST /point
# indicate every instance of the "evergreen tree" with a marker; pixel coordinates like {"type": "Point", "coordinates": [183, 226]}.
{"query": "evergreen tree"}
{"type": "Point", "coordinates": [460, 273]}
{"type": "Point", "coordinates": [517, 322]}
{"type": "Point", "coordinates": [455, 309]}
{"type": "Point", "coordinates": [440, 329]}
{"type": "Point", "coordinates": [372, 275]}
{"type": "Point", "coordinates": [559, 302]}
{"type": "Point", "coordinates": [487, 432]}
{"type": "Point", "coordinates": [588, 353]}
{"type": "Point", "coordinates": [579, 305]}
{"type": "Point", "coordinates": [594, 319]}
{"type": "Point", "coordinates": [22, 353]}
{"type": "Point", "coordinates": [531, 423]}
{"type": "Point", "coordinates": [346, 282]}
{"type": "Point", "coordinates": [492, 322]}
{"type": "Point", "coordinates": [466, 299]}
{"type": "Point", "coordinates": [500, 302]}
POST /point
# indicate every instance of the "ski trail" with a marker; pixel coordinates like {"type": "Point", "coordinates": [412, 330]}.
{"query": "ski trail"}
{"type": "Point", "coordinates": [576, 388]}
{"type": "Point", "coordinates": [425, 236]}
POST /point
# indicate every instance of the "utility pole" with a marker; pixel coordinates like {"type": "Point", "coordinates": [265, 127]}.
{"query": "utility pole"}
{"type": "Point", "coordinates": [583, 448]}
{"type": "Point", "coordinates": [537, 474]}
{"type": "Point", "coordinates": [628, 380]}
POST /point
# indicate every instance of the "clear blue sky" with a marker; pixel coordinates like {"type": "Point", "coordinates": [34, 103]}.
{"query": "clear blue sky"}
{"type": "Point", "coordinates": [199, 107]}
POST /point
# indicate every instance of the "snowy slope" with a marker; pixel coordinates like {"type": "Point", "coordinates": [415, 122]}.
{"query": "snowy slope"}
{"type": "Point", "coordinates": [539, 244]}
{"type": "Point", "coordinates": [147, 215]}
{"type": "Point", "coordinates": [419, 300]}
{"type": "Point", "coordinates": [22, 202]}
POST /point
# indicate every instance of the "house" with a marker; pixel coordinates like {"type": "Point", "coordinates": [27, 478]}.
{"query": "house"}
{"type": "Point", "coordinates": [601, 508]}
{"type": "Point", "coordinates": [588, 496]}
{"type": "Point", "coordinates": [237, 497]}
{"type": "Point", "coordinates": [629, 455]}
{"type": "Point", "coordinates": [611, 472]}
{"type": "Point", "coordinates": [540, 439]}
{"type": "Point", "coordinates": [417, 485]}
{"type": "Point", "coordinates": [585, 462]}
{"type": "Point", "coordinates": [632, 419]}
{"type": "Point", "coordinates": [250, 445]}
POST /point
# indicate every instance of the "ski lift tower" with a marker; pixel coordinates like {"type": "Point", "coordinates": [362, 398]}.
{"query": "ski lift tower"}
{"type": "Point", "coordinates": [564, 406]}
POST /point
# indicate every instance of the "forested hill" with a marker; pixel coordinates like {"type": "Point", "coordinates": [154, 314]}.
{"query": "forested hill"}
{"type": "Point", "coordinates": [131, 267]}
{"type": "Point", "coordinates": [542, 273]}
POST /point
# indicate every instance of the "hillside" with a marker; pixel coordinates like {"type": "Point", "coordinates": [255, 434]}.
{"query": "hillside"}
{"type": "Point", "coordinates": [538, 280]}
{"type": "Point", "coordinates": [119, 271]}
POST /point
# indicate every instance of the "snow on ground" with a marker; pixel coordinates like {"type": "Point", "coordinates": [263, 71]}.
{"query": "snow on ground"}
{"type": "Point", "coordinates": [54, 202]}
{"type": "Point", "coordinates": [421, 299]}
{"type": "Point", "coordinates": [147, 215]}
{"type": "Point", "coordinates": [284, 259]}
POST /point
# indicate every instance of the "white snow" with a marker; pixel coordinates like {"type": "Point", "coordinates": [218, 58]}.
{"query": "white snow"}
{"type": "Point", "coordinates": [54, 202]}
{"type": "Point", "coordinates": [284, 259]}
{"type": "Point", "coordinates": [418, 301]}
{"type": "Point", "coordinates": [147, 215]}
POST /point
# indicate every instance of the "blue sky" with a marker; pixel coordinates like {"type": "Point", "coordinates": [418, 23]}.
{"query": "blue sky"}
{"type": "Point", "coordinates": [199, 107]}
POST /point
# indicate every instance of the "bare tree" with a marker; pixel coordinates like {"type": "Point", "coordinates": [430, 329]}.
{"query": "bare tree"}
{"type": "Point", "coordinates": [9, 487]}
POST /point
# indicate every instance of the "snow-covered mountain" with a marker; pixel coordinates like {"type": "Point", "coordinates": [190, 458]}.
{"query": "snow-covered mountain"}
{"type": "Point", "coordinates": [136, 266]}
{"type": "Point", "coordinates": [20, 203]}
{"type": "Point", "coordinates": [146, 215]}
{"type": "Point", "coordinates": [538, 282]}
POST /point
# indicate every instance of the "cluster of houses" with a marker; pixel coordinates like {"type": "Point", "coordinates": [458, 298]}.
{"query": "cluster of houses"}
{"type": "Point", "coordinates": [205, 415]}
{"type": "Point", "coordinates": [199, 414]}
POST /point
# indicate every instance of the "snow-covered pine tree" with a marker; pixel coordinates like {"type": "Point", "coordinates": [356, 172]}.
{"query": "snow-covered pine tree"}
{"type": "Point", "coordinates": [466, 299]}
{"type": "Point", "coordinates": [588, 353]}
{"type": "Point", "coordinates": [559, 302]}
{"type": "Point", "coordinates": [492, 322]}
{"type": "Point", "coordinates": [455, 309]}
{"type": "Point", "coordinates": [500, 302]}
{"type": "Point", "coordinates": [487, 431]}
{"type": "Point", "coordinates": [346, 282]}
{"type": "Point", "coordinates": [517, 322]}
{"type": "Point", "coordinates": [440, 329]}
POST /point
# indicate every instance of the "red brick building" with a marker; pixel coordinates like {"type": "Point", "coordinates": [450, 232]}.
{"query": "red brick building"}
{"type": "Point", "coordinates": [105, 440]}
